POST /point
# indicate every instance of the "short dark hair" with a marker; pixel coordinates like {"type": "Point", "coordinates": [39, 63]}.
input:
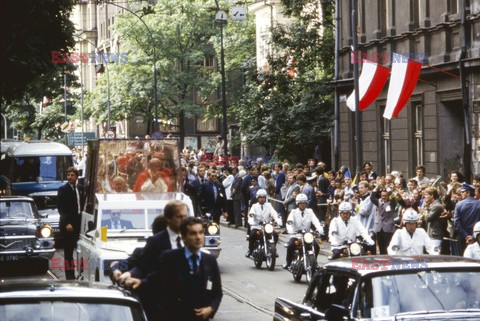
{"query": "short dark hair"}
{"type": "Point", "coordinates": [302, 178]}
{"type": "Point", "coordinates": [172, 207]}
{"type": "Point", "coordinates": [422, 168]}
{"type": "Point", "coordinates": [159, 224]}
{"type": "Point", "coordinates": [190, 221]}
{"type": "Point", "coordinates": [74, 170]}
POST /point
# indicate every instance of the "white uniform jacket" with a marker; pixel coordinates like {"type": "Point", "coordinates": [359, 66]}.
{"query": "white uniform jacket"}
{"type": "Point", "coordinates": [345, 232]}
{"type": "Point", "coordinates": [263, 213]}
{"type": "Point", "coordinates": [411, 245]}
{"type": "Point", "coordinates": [299, 223]}
{"type": "Point", "coordinates": [472, 251]}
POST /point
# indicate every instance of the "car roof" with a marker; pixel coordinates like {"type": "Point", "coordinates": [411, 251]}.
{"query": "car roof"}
{"type": "Point", "coordinates": [379, 264]}
{"type": "Point", "coordinates": [38, 148]}
{"type": "Point", "coordinates": [62, 289]}
{"type": "Point", "coordinates": [15, 198]}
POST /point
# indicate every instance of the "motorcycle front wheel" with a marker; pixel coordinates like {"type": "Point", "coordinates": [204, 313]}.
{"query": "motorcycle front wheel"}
{"type": "Point", "coordinates": [297, 270]}
{"type": "Point", "coordinates": [312, 266]}
{"type": "Point", "coordinates": [258, 259]}
{"type": "Point", "coordinates": [271, 257]}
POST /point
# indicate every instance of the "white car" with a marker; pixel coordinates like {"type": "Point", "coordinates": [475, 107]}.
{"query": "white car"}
{"type": "Point", "coordinates": [104, 240]}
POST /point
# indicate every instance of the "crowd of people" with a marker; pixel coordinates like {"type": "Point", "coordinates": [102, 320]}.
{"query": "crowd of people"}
{"type": "Point", "coordinates": [446, 211]}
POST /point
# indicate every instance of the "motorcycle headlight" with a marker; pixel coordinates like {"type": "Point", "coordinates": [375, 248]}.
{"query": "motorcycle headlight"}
{"type": "Point", "coordinates": [269, 228]}
{"type": "Point", "coordinates": [355, 249]}
{"type": "Point", "coordinates": [308, 237]}
{"type": "Point", "coordinates": [212, 229]}
{"type": "Point", "coordinates": [46, 231]}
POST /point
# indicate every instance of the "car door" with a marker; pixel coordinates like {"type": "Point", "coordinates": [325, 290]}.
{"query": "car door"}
{"type": "Point", "coordinates": [332, 295]}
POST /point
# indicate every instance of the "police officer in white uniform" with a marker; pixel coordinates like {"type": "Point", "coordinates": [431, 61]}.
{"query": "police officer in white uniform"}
{"type": "Point", "coordinates": [261, 212]}
{"type": "Point", "coordinates": [345, 228]}
{"type": "Point", "coordinates": [301, 219]}
{"type": "Point", "coordinates": [411, 240]}
{"type": "Point", "coordinates": [473, 250]}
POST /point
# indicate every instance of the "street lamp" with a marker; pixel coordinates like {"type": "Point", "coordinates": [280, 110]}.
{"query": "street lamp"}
{"type": "Point", "coordinates": [221, 18]}
{"type": "Point", "coordinates": [154, 61]}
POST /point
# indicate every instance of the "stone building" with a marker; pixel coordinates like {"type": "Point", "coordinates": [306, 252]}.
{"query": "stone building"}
{"type": "Point", "coordinates": [434, 128]}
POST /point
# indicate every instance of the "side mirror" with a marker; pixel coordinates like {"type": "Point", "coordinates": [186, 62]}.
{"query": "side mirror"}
{"type": "Point", "coordinates": [43, 215]}
{"type": "Point", "coordinates": [90, 226]}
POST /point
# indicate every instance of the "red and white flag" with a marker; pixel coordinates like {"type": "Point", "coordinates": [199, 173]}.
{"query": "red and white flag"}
{"type": "Point", "coordinates": [405, 73]}
{"type": "Point", "coordinates": [371, 83]}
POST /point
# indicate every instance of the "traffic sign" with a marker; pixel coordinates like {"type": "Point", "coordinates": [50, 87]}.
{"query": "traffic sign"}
{"type": "Point", "coordinates": [109, 134]}
{"type": "Point", "coordinates": [221, 16]}
{"type": "Point", "coordinates": [239, 13]}
{"type": "Point", "coordinates": [75, 138]}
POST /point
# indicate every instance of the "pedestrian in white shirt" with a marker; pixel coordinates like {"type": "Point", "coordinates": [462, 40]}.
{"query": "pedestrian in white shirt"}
{"type": "Point", "coordinates": [411, 240]}
{"type": "Point", "coordinates": [473, 250]}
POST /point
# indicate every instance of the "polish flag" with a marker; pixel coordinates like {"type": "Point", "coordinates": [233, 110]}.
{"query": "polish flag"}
{"type": "Point", "coordinates": [405, 73]}
{"type": "Point", "coordinates": [371, 83]}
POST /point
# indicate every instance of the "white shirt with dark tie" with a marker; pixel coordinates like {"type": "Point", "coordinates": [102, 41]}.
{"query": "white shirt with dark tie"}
{"type": "Point", "coordinates": [75, 190]}
{"type": "Point", "coordinates": [172, 236]}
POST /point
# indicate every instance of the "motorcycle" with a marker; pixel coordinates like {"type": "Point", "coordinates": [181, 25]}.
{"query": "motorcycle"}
{"type": "Point", "coordinates": [264, 247]}
{"type": "Point", "coordinates": [359, 247]}
{"type": "Point", "coordinates": [304, 260]}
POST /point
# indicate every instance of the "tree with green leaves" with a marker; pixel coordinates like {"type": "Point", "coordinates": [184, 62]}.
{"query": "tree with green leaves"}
{"type": "Point", "coordinates": [289, 108]}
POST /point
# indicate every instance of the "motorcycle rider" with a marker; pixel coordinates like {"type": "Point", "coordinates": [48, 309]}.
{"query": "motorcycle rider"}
{"type": "Point", "coordinates": [300, 219]}
{"type": "Point", "coordinates": [261, 212]}
{"type": "Point", "coordinates": [346, 228]}
{"type": "Point", "coordinates": [473, 250]}
{"type": "Point", "coordinates": [411, 240]}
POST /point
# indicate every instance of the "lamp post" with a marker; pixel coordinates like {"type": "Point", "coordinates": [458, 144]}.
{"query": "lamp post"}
{"type": "Point", "coordinates": [358, 122]}
{"type": "Point", "coordinates": [155, 93]}
{"type": "Point", "coordinates": [223, 20]}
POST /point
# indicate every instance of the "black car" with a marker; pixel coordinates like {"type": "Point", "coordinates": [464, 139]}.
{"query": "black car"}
{"type": "Point", "coordinates": [46, 203]}
{"type": "Point", "coordinates": [67, 300]}
{"type": "Point", "coordinates": [390, 288]}
{"type": "Point", "coordinates": [23, 234]}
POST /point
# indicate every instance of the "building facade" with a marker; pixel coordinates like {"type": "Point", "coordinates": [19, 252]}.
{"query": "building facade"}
{"type": "Point", "coordinates": [440, 125]}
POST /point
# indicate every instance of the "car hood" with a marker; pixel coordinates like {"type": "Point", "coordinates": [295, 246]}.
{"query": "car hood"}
{"type": "Point", "coordinates": [16, 227]}
{"type": "Point", "coordinates": [126, 246]}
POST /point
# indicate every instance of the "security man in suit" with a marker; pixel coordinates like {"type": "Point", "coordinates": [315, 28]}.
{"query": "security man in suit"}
{"type": "Point", "coordinates": [116, 223]}
{"type": "Point", "coordinates": [175, 213]}
{"type": "Point", "coordinates": [70, 203]}
{"type": "Point", "coordinates": [189, 280]}
{"type": "Point", "coordinates": [213, 197]}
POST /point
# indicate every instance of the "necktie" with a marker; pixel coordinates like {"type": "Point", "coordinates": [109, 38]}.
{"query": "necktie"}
{"type": "Point", "coordinates": [77, 200]}
{"type": "Point", "coordinates": [179, 244]}
{"type": "Point", "coordinates": [302, 213]}
{"type": "Point", "coordinates": [346, 223]}
{"type": "Point", "coordinates": [261, 207]}
{"type": "Point", "coordinates": [194, 264]}
{"type": "Point", "coordinates": [215, 192]}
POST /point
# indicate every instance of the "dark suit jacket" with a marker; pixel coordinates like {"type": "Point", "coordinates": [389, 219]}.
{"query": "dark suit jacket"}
{"type": "Point", "coordinates": [68, 208]}
{"type": "Point", "coordinates": [123, 224]}
{"type": "Point", "coordinates": [237, 188]}
{"type": "Point", "coordinates": [172, 278]}
{"type": "Point", "coordinates": [384, 218]}
{"type": "Point", "coordinates": [209, 204]}
{"type": "Point", "coordinates": [279, 181]}
{"type": "Point", "coordinates": [154, 247]}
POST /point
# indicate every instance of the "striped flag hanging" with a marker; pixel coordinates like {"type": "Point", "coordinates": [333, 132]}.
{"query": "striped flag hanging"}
{"type": "Point", "coordinates": [405, 73]}
{"type": "Point", "coordinates": [371, 83]}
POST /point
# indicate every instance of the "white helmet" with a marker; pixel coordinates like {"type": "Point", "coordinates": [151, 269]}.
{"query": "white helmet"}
{"type": "Point", "coordinates": [301, 198]}
{"type": "Point", "coordinates": [345, 207]}
{"type": "Point", "coordinates": [261, 193]}
{"type": "Point", "coordinates": [476, 230]}
{"type": "Point", "coordinates": [410, 216]}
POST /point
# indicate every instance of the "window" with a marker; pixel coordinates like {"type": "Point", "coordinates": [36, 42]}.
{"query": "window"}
{"type": "Point", "coordinates": [334, 288]}
{"type": "Point", "coordinates": [417, 134]}
{"type": "Point", "coordinates": [206, 125]}
{"type": "Point", "coordinates": [169, 126]}
{"type": "Point", "coordinates": [453, 6]}
{"type": "Point", "coordinates": [209, 61]}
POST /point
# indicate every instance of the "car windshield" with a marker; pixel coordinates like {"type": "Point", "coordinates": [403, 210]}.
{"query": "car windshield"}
{"type": "Point", "coordinates": [15, 209]}
{"type": "Point", "coordinates": [40, 168]}
{"type": "Point", "coordinates": [388, 295]}
{"type": "Point", "coordinates": [122, 219]}
{"type": "Point", "coordinates": [68, 311]}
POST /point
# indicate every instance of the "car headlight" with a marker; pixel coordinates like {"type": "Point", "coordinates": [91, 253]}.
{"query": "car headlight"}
{"type": "Point", "coordinates": [212, 229]}
{"type": "Point", "coordinates": [308, 237]}
{"type": "Point", "coordinates": [268, 228]}
{"type": "Point", "coordinates": [46, 231]}
{"type": "Point", "coordinates": [355, 249]}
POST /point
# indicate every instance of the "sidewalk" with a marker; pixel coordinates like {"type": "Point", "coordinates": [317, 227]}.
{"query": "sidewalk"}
{"type": "Point", "coordinates": [282, 238]}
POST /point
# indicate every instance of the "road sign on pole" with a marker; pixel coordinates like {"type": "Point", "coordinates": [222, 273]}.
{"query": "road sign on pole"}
{"type": "Point", "coordinates": [239, 13]}
{"type": "Point", "coordinates": [221, 16]}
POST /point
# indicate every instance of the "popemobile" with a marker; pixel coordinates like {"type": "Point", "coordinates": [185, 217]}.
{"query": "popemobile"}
{"type": "Point", "coordinates": [127, 185]}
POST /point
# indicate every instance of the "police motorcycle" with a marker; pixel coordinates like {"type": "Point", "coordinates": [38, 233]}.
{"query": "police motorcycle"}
{"type": "Point", "coordinates": [264, 248]}
{"type": "Point", "coordinates": [356, 248]}
{"type": "Point", "coordinates": [304, 260]}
